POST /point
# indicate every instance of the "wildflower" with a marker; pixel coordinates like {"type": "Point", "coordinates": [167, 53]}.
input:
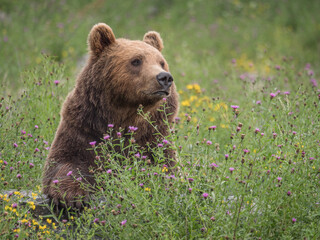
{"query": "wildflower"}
{"type": "Point", "coordinates": [147, 189]}
{"type": "Point", "coordinates": [209, 143]}
{"type": "Point", "coordinates": [190, 190]}
{"type": "Point", "coordinates": [212, 128]}
{"type": "Point", "coordinates": [262, 134]}
{"type": "Point", "coordinates": [49, 221]}
{"type": "Point", "coordinates": [274, 135]}
{"type": "Point", "coordinates": [132, 129]}
{"type": "Point", "coordinates": [141, 184]}
{"type": "Point", "coordinates": [109, 171]}
{"type": "Point", "coordinates": [165, 141]}
{"type": "Point", "coordinates": [55, 181]}
{"type": "Point", "coordinates": [294, 132]}
{"type": "Point", "coordinates": [103, 222]}
{"type": "Point", "coordinates": [226, 156]}
{"type": "Point", "coordinates": [165, 169]}
{"type": "Point", "coordinates": [164, 99]}
{"type": "Point", "coordinates": [287, 93]}
{"type": "Point", "coordinates": [37, 150]}
{"type": "Point", "coordinates": [15, 145]}
{"type": "Point", "coordinates": [69, 173]}
{"type": "Point", "coordinates": [155, 174]}
{"type": "Point", "coordinates": [190, 179]}
{"type": "Point", "coordinates": [212, 219]}
{"type": "Point", "coordinates": [233, 60]}
{"type": "Point", "coordinates": [96, 220]}
{"type": "Point", "coordinates": [106, 137]}
{"type": "Point", "coordinates": [123, 222]}
{"type": "Point", "coordinates": [205, 195]}
{"type": "Point", "coordinates": [79, 179]}
{"type": "Point", "coordinates": [119, 134]}
{"type": "Point", "coordinates": [160, 145]}
{"type": "Point", "coordinates": [137, 155]}
{"type": "Point", "coordinates": [56, 82]}
{"type": "Point", "coordinates": [93, 143]}
{"type": "Point", "coordinates": [19, 176]}
{"type": "Point", "coordinates": [110, 125]}
{"type": "Point", "coordinates": [36, 126]}
{"type": "Point", "coordinates": [257, 130]}
{"type": "Point", "coordinates": [277, 67]}
{"type": "Point", "coordinates": [23, 132]}
{"type": "Point", "coordinates": [258, 102]}
{"type": "Point", "coordinates": [31, 165]}
{"type": "Point", "coordinates": [246, 151]}
{"type": "Point", "coordinates": [289, 193]}
{"type": "Point", "coordinates": [279, 179]}
{"type": "Point", "coordinates": [14, 205]}
{"type": "Point", "coordinates": [294, 220]}
{"type": "Point", "coordinates": [231, 169]}
{"type": "Point", "coordinates": [213, 165]}
{"type": "Point", "coordinates": [272, 95]}
{"type": "Point", "coordinates": [234, 107]}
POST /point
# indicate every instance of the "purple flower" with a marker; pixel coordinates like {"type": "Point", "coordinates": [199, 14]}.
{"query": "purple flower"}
{"type": "Point", "coordinates": [160, 145]}
{"type": "Point", "coordinates": [233, 60]}
{"type": "Point", "coordinates": [119, 134]}
{"type": "Point", "coordinates": [69, 173]}
{"type": "Point", "coordinates": [279, 179]}
{"type": "Point", "coordinates": [141, 184]}
{"type": "Point", "coordinates": [213, 165]}
{"type": "Point", "coordinates": [274, 135]}
{"type": "Point", "coordinates": [123, 222]}
{"type": "Point", "coordinates": [36, 126]}
{"type": "Point", "coordinates": [137, 155]}
{"type": "Point", "coordinates": [14, 205]}
{"type": "Point", "coordinates": [164, 99]}
{"type": "Point", "coordinates": [96, 220]}
{"type": "Point", "coordinates": [37, 150]}
{"type": "Point", "coordinates": [31, 165]}
{"type": "Point", "coordinates": [132, 129]}
{"type": "Point", "coordinates": [190, 190]}
{"type": "Point", "coordinates": [209, 143]}
{"type": "Point", "coordinates": [289, 193]}
{"type": "Point", "coordinates": [15, 145]}
{"type": "Point", "coordinates": [226, 156]}
{"type": "Point", "coordinates": [294, 132]}
{"type": "Point", "coordinates": [287, 93]}
{"type": "Point", "coordinates": [205, 195]}
{"type": "Point", "coordinates": [165, 141]}
{"type": "Point", "coordinates": [109, 171]}
{"type": "Point", "coordinates": [258, 102]}
{"type": "Point", "coordinates": [231, 169]}
{"type": "Point", "coordinates": [106, 137]}
{"type": "Point", "coordinates": [93, 143]}
{"type": "Point", "coordinates": [277, 67]}
{"type": "Point", "coordinates": [56, 82]}
{"type": "Point", "coordinates": [272, 95]}
{"type": "Point", "coordinates": [212, 128]}
{"type": "Point", "coordinates": [55, 181]}
{"type": "Point", "coordinates": [234, 107]}
{"type": "Point", "coordinates": [18, 175]}
{"type": "Point", "coordinates": [314, 82]}
{"type": "Point", "coordinates": [294, 220]}
{"type": "Point", "coordinates": [110, 125]}
{"type": "Point", "coordinates": [23, 132]}
{"type": "Point", "coordinates": [190, 179]}
{"type": "Point", "coordinates": [79, 179]}
{"type": "Point", "coordinates": [257, 130]}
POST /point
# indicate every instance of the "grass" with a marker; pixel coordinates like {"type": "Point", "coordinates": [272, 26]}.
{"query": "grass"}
{"type": "Point", "coordinates": [256, 174]}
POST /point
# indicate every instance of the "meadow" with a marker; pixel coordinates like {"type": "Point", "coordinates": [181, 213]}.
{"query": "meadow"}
{"type": "Point", "coordinates": [247, 136]}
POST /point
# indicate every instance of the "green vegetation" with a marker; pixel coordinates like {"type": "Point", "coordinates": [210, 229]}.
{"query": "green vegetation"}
{"type": "Point", "coordinates": [247, 139]}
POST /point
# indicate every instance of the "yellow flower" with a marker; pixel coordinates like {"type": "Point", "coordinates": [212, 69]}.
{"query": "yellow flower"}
{"type": "Point", "coordinates": [42, 227]}
{"type": "Point", "coordinates": [49, 221]}
{"type": "Point", "coordinates": [16, 230]}
{"type": "Point", "coordinates": [1, 161]}
{"type": "Point", "coordinates": [17, 193]}
{"type": "Point", "coordinates": [24, 220]}
{"type": "Point", "coordinates": [185, 103]}
{"type": "Point", "coordinates": [190, 86]}
{"type": "Point", "coordinates": [147, 189]}
{"type": "Point", "coordinates": [165, 169]}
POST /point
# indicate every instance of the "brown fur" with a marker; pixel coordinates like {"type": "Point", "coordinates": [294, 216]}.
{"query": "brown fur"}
{"type": "Point", "coordinates": [108, 90]}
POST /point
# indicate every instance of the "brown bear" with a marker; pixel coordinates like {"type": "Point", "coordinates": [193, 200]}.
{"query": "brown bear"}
{"type": "Point", "coordinates": [119, 77]}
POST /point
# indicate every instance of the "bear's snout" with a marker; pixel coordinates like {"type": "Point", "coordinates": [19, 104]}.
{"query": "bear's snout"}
{"type": "Point", "coordinates": [165, 79]}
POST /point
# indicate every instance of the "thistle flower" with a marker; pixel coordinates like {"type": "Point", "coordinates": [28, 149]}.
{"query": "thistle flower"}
{"type": "Point", "coordinates": [272, 95]}
{"type": "Point", "coordinates": [226, 156]}
{"type": "Point", "coordinates": [190, 190]}
{"type": "Point", "coordinates": [36, 126]}
{"type": "Point", "coordinates": [123, 222]}
{"type": "Point", "coordinates": [212, 128]}
{"type": "Point", "coordinates": [106, 137]}
{"type": "Point", "coordinates": [110, 125]}
{"type": "Point", "coordinates": [55, 181]}
{"type": "Point", "coordinates": [15, 145]}
{"type": "Point", "coordinates": [96, 220]}
{"type": "Point", "coordinates": [209, 143]}
{"type": "Point", "coordinates": [93, 143]}
{"type": "Point", "coordinates": [160, 145]}
{"type": "Point", "coordinates": [31, 165]}
{"type": "Point", "coordinates": [165, 141]}
{"type": "Point", "coordinates": [109, 171]}
{"type": "Point", "coordinates": [190, 180]}
{"type": "Point", "coordinates": [56, 82]}
{"type": "Point", "coordinates": [258, 102]}
{"type": "Point", "coordinates": [18, 175]}
{"type": "Point", "coordinates": [234, 107]}
{"type": "Point", "coordinates": [69, 173]}
{"type": "Point", "coordinates": [119, 134]}
{"type": "Point", "coordinates": [205, 195]}
{"type": "Point", "coordinates": [132, 129]}
{"type": "Point", "coordinates": [294, 220]}
{"type": "Point", "coordinates": [231, 169]}
{"type": "Point", "coordinates": [279, 179]}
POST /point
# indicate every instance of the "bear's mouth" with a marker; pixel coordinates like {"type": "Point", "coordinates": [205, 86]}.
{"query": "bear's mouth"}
{"type": "Point", "coordinates": [161, 93]}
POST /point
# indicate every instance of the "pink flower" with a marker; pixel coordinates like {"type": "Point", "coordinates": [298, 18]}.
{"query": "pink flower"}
{"type": "Point", "coordinates": [56, 82]}
{"type": "Point", "coordinates": [258, 102]}
{"type": "Point", "coordinates": [55, 181]}
{"type": "Point", "coordinates": [212, 128]}
{"type": "Point", "coordinates": [96, 220]}
{"type": "Point", "coordinates": [226, 156]}
{"type": "Point", "coordinates": [160, 145]}
{"type": "Point", "coordinates": [165, 141]}
{"type": "Point", "coordinates": [123, 222]}
{"type": "Point", "coordinates": [190, 190]}
{"type": "Point", "coordinates": [93, 143]}
{"type": "Point", "coordinates": [279, 179]}
{"type": "Point", "coordinates": [69, 173]}
{"type": "Point", "coordinates": [205, 195]}
{"type": "Point", "coordinates": [110, 125]}
{"type": "Point", "coordinates": [294, 220]}
{"type": "Point", "coordinates": [15, 145]}
{"type": "Point", "coordinates": [231, 169]}
{"type": "Point", "coordinates": [209, 143]}
{"type": "Point", "coordinates": [106, 137]}
{"type": "Point", "coordinates": [31, 165]}
{"type": "Point", "coordinates": [119, 134]}
{"type": "Point", "coordinates": [234, 107]}
{"type": "Point", "coordinates": [190, 179]}
{"type": "Point", "coordinates": [272, 95]}
{"type": "Point", "coordinates": [19, 176]}
{"type": "Point", "coordinates": [213, 165]}
{"type": "Point", "coordinates": [36, 126]}
{"type": "Point", "coordinates": [109, 171]}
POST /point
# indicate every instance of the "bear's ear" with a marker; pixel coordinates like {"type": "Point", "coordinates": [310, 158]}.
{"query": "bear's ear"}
{"type": "Point", "coordinates": [100, 36]}
{"type": "Point", "coordinates": [153, 39]}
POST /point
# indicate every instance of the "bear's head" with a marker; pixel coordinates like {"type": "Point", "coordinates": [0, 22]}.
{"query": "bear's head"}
{"type": "Point", "coordinates": [132, 72]}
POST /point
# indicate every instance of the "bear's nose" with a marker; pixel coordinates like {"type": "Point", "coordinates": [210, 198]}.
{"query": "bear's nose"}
{"type": "Point", "coordinates": [165, 79]}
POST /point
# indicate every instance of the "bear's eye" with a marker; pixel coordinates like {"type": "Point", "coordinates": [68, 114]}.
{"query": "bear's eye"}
{"type": "Point", "coordinates": [162, 64]}
{"type": "Point", "coordinates": [136, 62]}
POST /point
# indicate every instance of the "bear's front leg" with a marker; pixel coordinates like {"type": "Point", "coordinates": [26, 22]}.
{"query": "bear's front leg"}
{"type": "Point", "coordinates": [65, 186]}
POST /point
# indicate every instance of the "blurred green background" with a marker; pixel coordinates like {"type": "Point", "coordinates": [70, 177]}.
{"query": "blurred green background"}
{"type": "Point", "coordinates": [201, 37]}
